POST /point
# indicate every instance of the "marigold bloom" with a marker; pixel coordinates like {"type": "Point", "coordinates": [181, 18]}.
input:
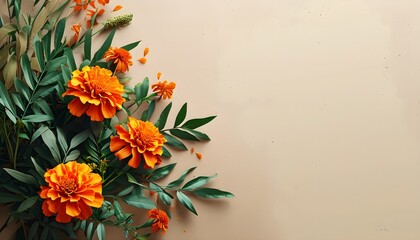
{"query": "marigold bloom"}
{"type": "Point", "coordinates": [164, 89]}
{"type": "Point", "coordinates": [82, 4]}
{"type": "Point", "coordinates": [71, 192]}
{"type": "Point", "coordinates": [142, 141]}
{"type": "Point", "coordinates": [97, 93]}
{"type": "Point", "coordinates": [161, 220]}
{"type": "Point", "coordinates": [120, 57]}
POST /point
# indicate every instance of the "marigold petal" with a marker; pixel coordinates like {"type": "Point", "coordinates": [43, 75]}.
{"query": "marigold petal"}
{"type": "Point", "coordinates": [116, 8]}
{"type": "Point", "coordinates": [145, 52]}
{"type": "Point", "coordinates": [45, 209]}
{"type": "Point", "coordinates": [77, 108]}
{"type": "Point", "coordinates": [107, 109]}
{"type": "Point", "coordinates": [134, 162]}
{"type": "Point", "coordinates": [85, 211]}
{"type": "Point", "coordinates": [142, 60]}
{"type": "Point", "coordinates": [99, 200]}
{"type": "Point", "coordinates": [124, 152]}
{"type": "Point", "coordinates": [117, 143]}
{"type": "Point", "coordinates": [72, 209]}
{"type": "Point", "coordinates": [95, 113]}
{"type": "Point", "coordinates": [158, 75]}
{"type": "Point", "coordinates": [62, 216]}
{"type": "Point", "coordinates": [150, 159]}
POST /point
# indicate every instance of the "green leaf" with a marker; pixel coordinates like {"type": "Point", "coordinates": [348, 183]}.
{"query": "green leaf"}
{"type": "Point", "coordinates": [33, 230]}
{"type": "Point", "coordinates": [29, 202]}
{"type": "Point", "coordinates": [163, 117]}
{"type": "Point", "coordinates": [88, 44]}
{"type": "Point", "coordinates": [18, 101]}
{"type": "Point", "coordinates": [22, 89]}
{"type": "Point", "coordinates": [197, 182]}
{"type": "Point", "coordinates": [147, 114]}
{"type": "Point", "coordinates": [197, 134]}
{"type": "Point", "coordinates": [4, 95]}
{"type": "Point", "coordinates": [90, 231]}
{"type": "Point", "coordinates": [38, 132]}
{"type": "Point", "coordinates": [100, 230]}
{"type": "Point", "coordinates": [141, 89]}
{"type": "Point", "coordinates": [105, 46]}
{"type": "Point", "coordinates": [70, 59]}
{"type": "Point", "coordinates": [38, 168]}
{"type": "Point", "coordinates": [130, 46]}
{"type": "Point", "coordinates": [51, 141]}
{"type": "Point", "coordinates": [44, 234]}
{"type": "Point", "coordinates": [37, 118]}
{"type": "Point", "coordinates": [73, 155]}
{"type": "Point", "coordinates": [56, 63]}
{"type": "Point", "coordinates": [50, 78]}
{"type": "Point", "coordinates": [59, 32]}
{"type": "Point", "coordinates": [174, 142]}
{"type": "Point", "coordinates": [184, 200]}
{"type": "Point", "coordinates": [183, 135]}
{"type": "Point", "coordinates": [181, 179]}
{"type": "Point", "coordinates": [212, 193]}
{"type": "Point", "coordinates": [39, 54]}
{"type": "Point", "coordinates": [8, 198]}
{"type": "Point", "coordinates": [22, 177]}
{"type": "Point", "coordinates": [166, 153]}
{"type": "Point", "coordinates": [125, 191]}
{"type": "Point", "coordinates": [27, 71]}
{"type": "Point", "coordinates": [46, 40]}
{"type": "Point", "coordinates": [180, 117]}
{"type": "Point", "coordinates": [79, 138]}
{"type": "Point", "coordinates": [138, 199]}
{"type": "Point", "coordinates": [162, 172]}
{"type": "Point", "coordinates": [197, 122]}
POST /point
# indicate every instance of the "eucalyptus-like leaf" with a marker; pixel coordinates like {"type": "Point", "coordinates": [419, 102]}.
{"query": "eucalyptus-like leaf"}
{"type": "Point", "coordinates": [184, 200]}
{"type": "Point", "coordinates": [130, 46]}
{"type": "Point", "coordinates": [183, 134]}
{"type": "Point", "coordinates": [212, 193]}
{"type": "Point", "coordinates": [181, 179]}
{"type": "Point", "coordinates": [171, 141]}
{"type": "Point", "coordinates": [197, 182]}
{"type": "Point", "coordinates": [161, 122]}
{"type": "Point", "coordinates": [180, 117]}
{"type": "Point", "coordinates": [29, 202]}
{"type": "Point", "coordinates": [22, 177]}
{"type": "Point", "coordinates": [161, 172]}
{"type": "Point", "coordinates": [197, 122]}
{"type": "Point", "coordinates": [88, 44]}
{"type": "Point", "coordinates": [137, 199]}
{"type": "Point", "coordinates": [100, 230]}
{"type": "Point", "coordinates": [105, 46]}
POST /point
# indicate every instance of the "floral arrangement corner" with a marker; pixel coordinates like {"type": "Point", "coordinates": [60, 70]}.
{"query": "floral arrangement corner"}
{"type": "Point", "coordinates": [75, 140]}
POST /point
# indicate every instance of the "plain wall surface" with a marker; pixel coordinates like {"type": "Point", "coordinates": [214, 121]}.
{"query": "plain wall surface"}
{"type": "Point", "coordinates": [318, 104]}
{"type": "Point", "coordinates": [318, 127]}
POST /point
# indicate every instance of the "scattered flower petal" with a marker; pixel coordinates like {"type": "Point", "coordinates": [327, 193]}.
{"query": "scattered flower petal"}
{"type": "Point", "coordinates": [116, 8]}
{"type": "Point", "coordinates": [199, 155]}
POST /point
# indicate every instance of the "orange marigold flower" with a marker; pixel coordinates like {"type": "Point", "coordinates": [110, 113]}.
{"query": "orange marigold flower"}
{"type": "Point", "coordinates": [103, 2]}
{"type": "Point", "coordinates": [116, 8]}
{"type": "Point", "coordinates": [161, 220]}
{"type": "Point", "coordinates": [97, 93]}
{"type": "Point", "coordinates": [120, 57]}
{"type": "Point", "coordinates": [142, 141]}
{"type": "Point", "coordinates": [82, 4]}
{"type": "Point", "coordinates": [71, 192]}
{"type": "Point", "coordinates": [164, 89]}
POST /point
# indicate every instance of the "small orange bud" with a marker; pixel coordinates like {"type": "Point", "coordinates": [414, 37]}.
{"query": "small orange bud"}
{"type": "Point", "coordinates": [158, 75]}
{"type": "Point", "coordinates": [199, 155]}
{"type": "Point", "coordinates": [142, 60]}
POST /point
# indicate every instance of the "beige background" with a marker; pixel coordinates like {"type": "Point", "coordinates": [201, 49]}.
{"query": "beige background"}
{"type": "Point", "coordinates": [318, 109]}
